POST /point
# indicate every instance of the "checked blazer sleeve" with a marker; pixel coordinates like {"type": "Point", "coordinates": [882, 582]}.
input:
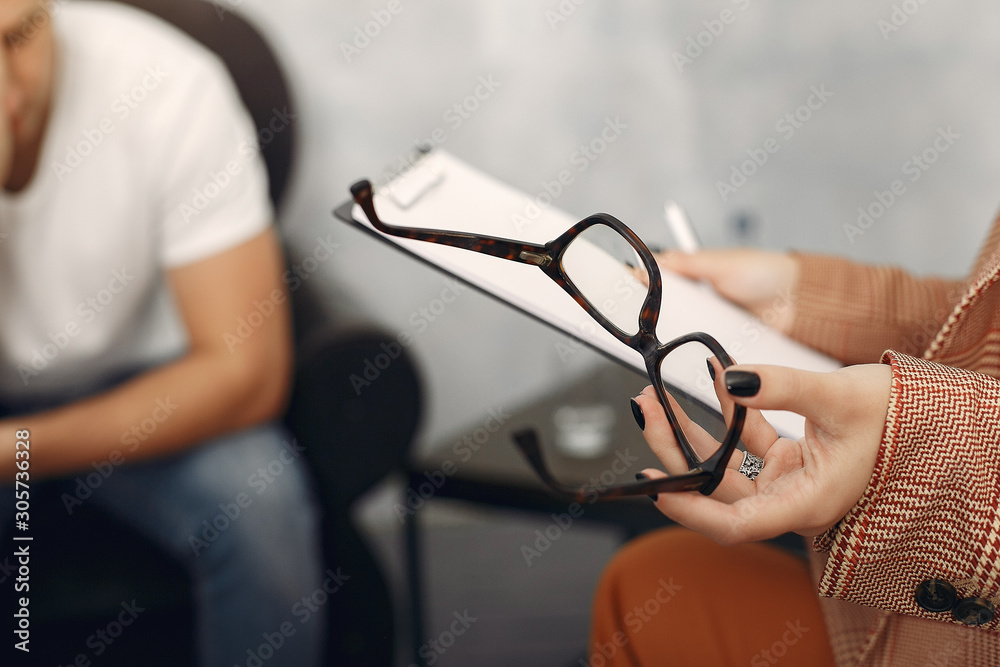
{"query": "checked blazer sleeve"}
{"type": "Point", "coordinates": [854, 312]}
{"type": "Point", "coordinates": [931, 508]}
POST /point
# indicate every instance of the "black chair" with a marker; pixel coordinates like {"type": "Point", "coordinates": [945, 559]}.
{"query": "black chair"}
{"type": "Point", "coordinates": [87, 564]}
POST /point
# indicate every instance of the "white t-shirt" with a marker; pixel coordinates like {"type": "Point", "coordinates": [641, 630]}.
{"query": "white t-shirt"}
{"type": "Point", "coordinates": [149, 162]}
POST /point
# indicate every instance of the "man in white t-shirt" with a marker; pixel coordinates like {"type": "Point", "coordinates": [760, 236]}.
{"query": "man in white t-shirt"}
{"type": "Point", "coordinates": [135, 237]}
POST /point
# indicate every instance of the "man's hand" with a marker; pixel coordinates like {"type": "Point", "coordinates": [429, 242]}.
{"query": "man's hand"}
{"type": "Point", "coordinates": [806, 486]}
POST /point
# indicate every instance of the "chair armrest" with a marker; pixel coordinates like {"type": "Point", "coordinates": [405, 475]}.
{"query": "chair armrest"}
{"type": "Point", "coordinates": [355, 407]}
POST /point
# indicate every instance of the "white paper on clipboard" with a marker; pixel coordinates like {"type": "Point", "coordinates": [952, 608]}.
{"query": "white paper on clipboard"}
{"type": "Point", "coordinates": [442, 192]}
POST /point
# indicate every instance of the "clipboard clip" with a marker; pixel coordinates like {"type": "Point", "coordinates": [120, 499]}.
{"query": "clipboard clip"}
{"type": "Point", "coordinates": [411, 185]}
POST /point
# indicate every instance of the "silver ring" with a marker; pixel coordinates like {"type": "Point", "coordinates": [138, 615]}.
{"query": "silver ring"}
{"type": "Point", "coordinates": [751, 466]}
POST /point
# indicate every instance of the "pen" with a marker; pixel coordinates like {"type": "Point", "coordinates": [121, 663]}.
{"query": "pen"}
{"type": "Point", "coordinates": [680, 227]}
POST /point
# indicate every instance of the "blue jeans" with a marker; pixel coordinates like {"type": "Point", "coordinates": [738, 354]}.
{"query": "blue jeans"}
{"type": "Point", "coordinates": [239, 513]}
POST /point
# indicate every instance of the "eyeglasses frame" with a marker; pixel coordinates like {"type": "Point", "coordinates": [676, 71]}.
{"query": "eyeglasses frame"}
{"type": "Point", "coordinates": [703, 475]}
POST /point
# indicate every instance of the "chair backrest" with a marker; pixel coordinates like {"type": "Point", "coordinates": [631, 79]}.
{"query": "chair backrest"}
{"type": "Point", "coordinates": [254, 69]}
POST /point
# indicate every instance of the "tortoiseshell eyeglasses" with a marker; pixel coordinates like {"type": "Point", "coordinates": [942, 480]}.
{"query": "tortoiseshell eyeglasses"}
{"type": "Point", "coordinates": [629, 311]}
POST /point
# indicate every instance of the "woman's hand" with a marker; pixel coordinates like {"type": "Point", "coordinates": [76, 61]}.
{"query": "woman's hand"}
{"type": "Point", "coordinates": [6, 109]}
{"type": "Point", "coordinates": [753, 279]}
{"type": "Point", "coordinates": [806, 486]}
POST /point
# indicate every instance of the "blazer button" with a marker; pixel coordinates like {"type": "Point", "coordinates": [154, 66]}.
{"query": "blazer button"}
{"type": "Point", "coordinates": [973, 611]}
{"type": "Point", "coordinates": [936, 595]}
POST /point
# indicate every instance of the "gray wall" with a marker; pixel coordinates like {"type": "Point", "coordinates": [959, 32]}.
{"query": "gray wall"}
{"type": "Point", "coordinates": [686, 127]}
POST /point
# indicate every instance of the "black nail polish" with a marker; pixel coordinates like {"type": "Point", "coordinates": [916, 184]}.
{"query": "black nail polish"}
{"type": "Point", "coordinates": [742, 383]}
{"type": "Point", "coordinates": [711, 369]}
{"type": "Point", "coordinates": [641, 476]}
{"type": "Point", "coordinates": [640, 419]}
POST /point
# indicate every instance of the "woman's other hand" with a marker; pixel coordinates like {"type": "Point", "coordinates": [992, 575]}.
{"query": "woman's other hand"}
{"type": "Point", "coordinates": [753, 279]}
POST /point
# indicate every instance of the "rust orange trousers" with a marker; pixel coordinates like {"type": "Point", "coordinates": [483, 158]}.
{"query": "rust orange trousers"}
{"type": "Point", "coordinates": [674, 597]}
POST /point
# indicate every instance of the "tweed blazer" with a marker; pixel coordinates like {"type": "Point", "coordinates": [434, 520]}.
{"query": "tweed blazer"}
{"type": "Point", "coordinates": [930, 510]}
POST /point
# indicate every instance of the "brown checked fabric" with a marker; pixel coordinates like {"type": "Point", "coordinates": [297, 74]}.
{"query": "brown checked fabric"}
{"type": "Point", "coordinates": [931, 508]}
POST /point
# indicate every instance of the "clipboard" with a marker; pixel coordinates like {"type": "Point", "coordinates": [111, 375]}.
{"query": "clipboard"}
{"type": "Point", "coordinates": [440, 191]}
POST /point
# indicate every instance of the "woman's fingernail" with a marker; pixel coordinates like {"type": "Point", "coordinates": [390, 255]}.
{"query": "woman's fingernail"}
{"type": "Point", "coordinates": [742, 383]}
{"type": "Point", "coordinates": [641, 476]}
{"type": "Point", "coordinates": [711, 368]}
{"type": "Point", "coordinates": [640, 419]}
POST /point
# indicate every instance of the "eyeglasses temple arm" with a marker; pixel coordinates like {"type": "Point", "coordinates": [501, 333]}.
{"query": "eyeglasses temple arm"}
{"type": "Point", "coordinates": [526, 440]}
{"type": "Point", "coordinates": [517, 251]}
{"type": "Point", "coordinates": [718, 461]}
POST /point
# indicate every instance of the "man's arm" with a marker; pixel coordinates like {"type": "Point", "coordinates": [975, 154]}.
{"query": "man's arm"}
{"type": "Point", "coordinates": [225, 381]}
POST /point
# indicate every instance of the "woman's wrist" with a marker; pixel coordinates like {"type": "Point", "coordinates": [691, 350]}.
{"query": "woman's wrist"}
{"type": "Point", "coordinates": [778, 281]}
